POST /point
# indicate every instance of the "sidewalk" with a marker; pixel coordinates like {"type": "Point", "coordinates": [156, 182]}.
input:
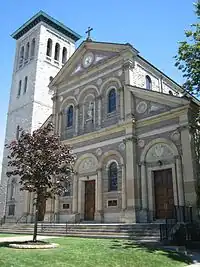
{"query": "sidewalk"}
{"type": "Point", "coordinates": [23, 238]}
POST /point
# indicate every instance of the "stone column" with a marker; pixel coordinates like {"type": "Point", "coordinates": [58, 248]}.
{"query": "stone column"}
{"type": "Point", "coordinates": [26, 202]}
{"type": "Point", "coordinates": [144, 197]}
{"type": "Point", "coordinates": [79, 197]}
{"type": "Point", "coordinates": [99, 110]}
{"type": "Point", "coordinates": [121, 91]}
{"type": "Point", "coordinates": [75, 194]}
{"type": "Point", "coordinates": [128, 70]}
{"type": "Point", "coordinates": [124, 201]}
{"type": "Point", "coordinates": [130, 215]}
{"type": "Point", "coordinates": [187, 158]}
{"type": "Point", "coordinates": [99, 208]}
{"type": "Point", "coordinates": [56, 211]}
{"type": "Point", "coordinates": [180, 181]}
{"type": "Point", "coordinates": [76, 119]}
{"type": "Point", "coordinates": [144, 186]}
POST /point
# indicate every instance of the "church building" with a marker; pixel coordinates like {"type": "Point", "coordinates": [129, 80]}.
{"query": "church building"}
{"type": "Point", "coordinates": [127, 122]}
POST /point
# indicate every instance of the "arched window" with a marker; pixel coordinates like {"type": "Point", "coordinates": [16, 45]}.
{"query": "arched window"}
{"type": "Point", "coordinates": [19, 88]}
{"type": "Point", "coordinates": [49, 47]}
{"type": "Point", "coordinates": [112, 177]}
{"type": "Point", "coordinates": [70, 116]}
{"type": "Point", "coordinates": [17, 132]}
{"type": "Point", "coordinates": [64, 55]}
{"type": "Point", "coordinates": [21, 56]}
{"type": "Point", "coordinates": [25, 84]}
{"type": "Point", "coordinates": [57, 52]}
{"type": "Point", "coordinates": [27, 51]}
{"type": "Point", "coordinates": [111, 101]}
{"type": "Point", "coordinates": [148, 83]}
{"type": "Point", "coordinates": [33, 48]}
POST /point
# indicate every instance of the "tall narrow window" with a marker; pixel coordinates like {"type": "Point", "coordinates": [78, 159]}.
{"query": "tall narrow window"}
{"type": "Point", "coordinates": [49, 48]}
{"type": "Point", "coordinates": [27, 52]}
{"type": "Point", "coordinates": [70, 116]}
{"type": "Point", "coordinates": [64, 55]}
{"type": "Point", "coordinates": [21, 56]}
{"type": "Point", "coordinates": [19, 88]}
{"type": "Point", "coordinates": [33, 48]}
{"type": "Point", "coordinates": [11, 210]}
{"type": "Point", "coordinates": [111, 101]}
{"type": "Point", "coordinates": [148, 83]}
{"type": "Point", "coordinates": [57, 52]}
{"type": "Point", "coordinates": [25, 84]}
{"type": "Point", "coordinates": [17, 132]}
{"type": "Point", "coordinates": [112, 177]}
{"type": "Point", "coordinates": [12, 189]}
{"type": "Point", "coordinates": [68, 188]}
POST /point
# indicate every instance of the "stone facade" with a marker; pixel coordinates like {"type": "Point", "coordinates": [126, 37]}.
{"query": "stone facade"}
{"type": "Point", "coordinates": [30, 107]}
{"type": "Point", "coordinates": [143, 133]}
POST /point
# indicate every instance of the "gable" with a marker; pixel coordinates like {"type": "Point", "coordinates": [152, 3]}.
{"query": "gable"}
{"type": "Point", "coordinates": [148, 103]}
{"type": "Point", "coordinates": [87, 57]}
{"type": "Point", "coordinates": [97, 57]}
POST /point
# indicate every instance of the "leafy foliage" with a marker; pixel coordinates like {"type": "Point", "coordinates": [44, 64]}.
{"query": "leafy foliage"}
{"type": "Point", "coordinates": [188, 58]}
{"type": "Point", "coordinates": [41, 162]}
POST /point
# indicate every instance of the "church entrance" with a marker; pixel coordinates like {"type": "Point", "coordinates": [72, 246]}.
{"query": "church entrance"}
{"type": "Point", "coordinates": [89, 200]}
{"type": "Point", "coordinates": [164, 198]}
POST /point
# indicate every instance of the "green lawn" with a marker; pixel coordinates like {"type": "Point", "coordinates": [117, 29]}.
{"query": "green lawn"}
{"type": "Point", "coordinates": [90, 253]}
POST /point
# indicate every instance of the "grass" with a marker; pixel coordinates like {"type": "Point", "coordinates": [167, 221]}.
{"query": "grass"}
{"type": "Point", "coordinates": [77, 252]}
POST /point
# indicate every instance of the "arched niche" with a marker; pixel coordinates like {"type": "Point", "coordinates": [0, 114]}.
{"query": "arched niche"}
{"type": "Point", "coordinates": [159, 149]}
{"type": "Point", "coordinates": [87, 163]}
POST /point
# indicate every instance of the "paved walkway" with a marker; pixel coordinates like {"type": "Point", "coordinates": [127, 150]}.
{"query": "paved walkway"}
{"type": "Point", "coordinates": [23, 238]}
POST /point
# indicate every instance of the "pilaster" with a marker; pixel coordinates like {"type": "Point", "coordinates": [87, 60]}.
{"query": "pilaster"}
{"type": "Point", "coordinates": [130, 213]}
{"type": "Point", "coordinates": [75, 194]}
{"type": "Point", "coordinates": [76, 119]}
{"type": "Point", "coordinates": [187, 158]}
{"type": "Point", "coordinates": [99, 209]}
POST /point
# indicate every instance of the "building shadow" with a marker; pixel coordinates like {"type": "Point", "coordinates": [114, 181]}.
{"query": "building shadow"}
{"type": "Point", "coordinates": [150, 248]}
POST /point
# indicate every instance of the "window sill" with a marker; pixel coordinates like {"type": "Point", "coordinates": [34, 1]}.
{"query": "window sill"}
{"type": "Point", "coordinates": [111, 114]}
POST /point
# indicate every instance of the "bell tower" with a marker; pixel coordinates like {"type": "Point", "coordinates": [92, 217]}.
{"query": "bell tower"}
{"type": "Point", "coordinates": [43, 45]}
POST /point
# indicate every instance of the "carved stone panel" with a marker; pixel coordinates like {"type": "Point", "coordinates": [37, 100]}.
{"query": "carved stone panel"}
{"type": "Point", "coordinates": [159, 151]}
{"type": "Point", "coordinates": [88, 165]}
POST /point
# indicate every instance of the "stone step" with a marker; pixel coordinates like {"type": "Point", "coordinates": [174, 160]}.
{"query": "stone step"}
{"type": "Point", "coordinates": [95, 235]}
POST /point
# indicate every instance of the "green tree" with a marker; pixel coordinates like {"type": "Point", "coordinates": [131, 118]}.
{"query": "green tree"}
{"type": "Point", "coordinates": [188, 58]}
{"type": "Point", "coordinates": [43, 165]}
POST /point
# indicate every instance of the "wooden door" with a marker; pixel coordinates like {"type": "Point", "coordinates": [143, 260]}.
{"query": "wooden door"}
{"type": "Point", "coordinates": [164, 198]}
{"type": "Point", "coordinates": [89, 200]}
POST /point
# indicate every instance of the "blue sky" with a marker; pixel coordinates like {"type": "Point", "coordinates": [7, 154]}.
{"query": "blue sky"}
{"type": "Point", "coordinates": [153, 27]}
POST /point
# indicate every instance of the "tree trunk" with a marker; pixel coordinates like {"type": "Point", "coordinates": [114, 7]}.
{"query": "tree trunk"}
{"type": "Point", "coordinates": [42, 206]}
{"type": "Point", "coordinates": [35, 224]}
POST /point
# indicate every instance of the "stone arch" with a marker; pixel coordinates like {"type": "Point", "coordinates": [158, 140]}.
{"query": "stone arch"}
{"type": "Point", "coordinates": [86, 163]}
{"type": "Point", "coordinates": [167, 143]}
{"type": "Point", "coordinates": [111, 153]}
{"type": "Point", "coordinates": [85, 89]}
{"type": "Point", "coordinates": [70, 101]}
{"type": "Point", "coordinates": [111, 161]}
{"type": "Point", "coordinates": [111, 79]}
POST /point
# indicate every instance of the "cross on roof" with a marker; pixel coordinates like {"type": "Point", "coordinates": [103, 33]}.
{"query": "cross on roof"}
{"type": "Point", "coordinates": [88, 33]}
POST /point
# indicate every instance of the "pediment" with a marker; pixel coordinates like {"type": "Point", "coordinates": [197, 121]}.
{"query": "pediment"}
{"type": "Point", "coordinates": [98, 57]}
{"type": "Point", "coordinates": [149, 103]}
{"type": "Point", "coordinates": [99, 54]}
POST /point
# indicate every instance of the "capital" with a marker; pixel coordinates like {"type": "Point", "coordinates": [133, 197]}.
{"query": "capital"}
{"type": "Point", "coordinates": [128, 65]}
{"type": "Point", "coordinates": [99, 97]}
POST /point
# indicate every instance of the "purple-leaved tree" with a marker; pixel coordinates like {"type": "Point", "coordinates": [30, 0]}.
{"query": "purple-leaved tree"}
{"type": "Point", "coordinates": [44, 166]}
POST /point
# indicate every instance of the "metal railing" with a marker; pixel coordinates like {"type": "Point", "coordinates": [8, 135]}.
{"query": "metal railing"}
{"type": "Point", "coordinates": [178, 228]}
